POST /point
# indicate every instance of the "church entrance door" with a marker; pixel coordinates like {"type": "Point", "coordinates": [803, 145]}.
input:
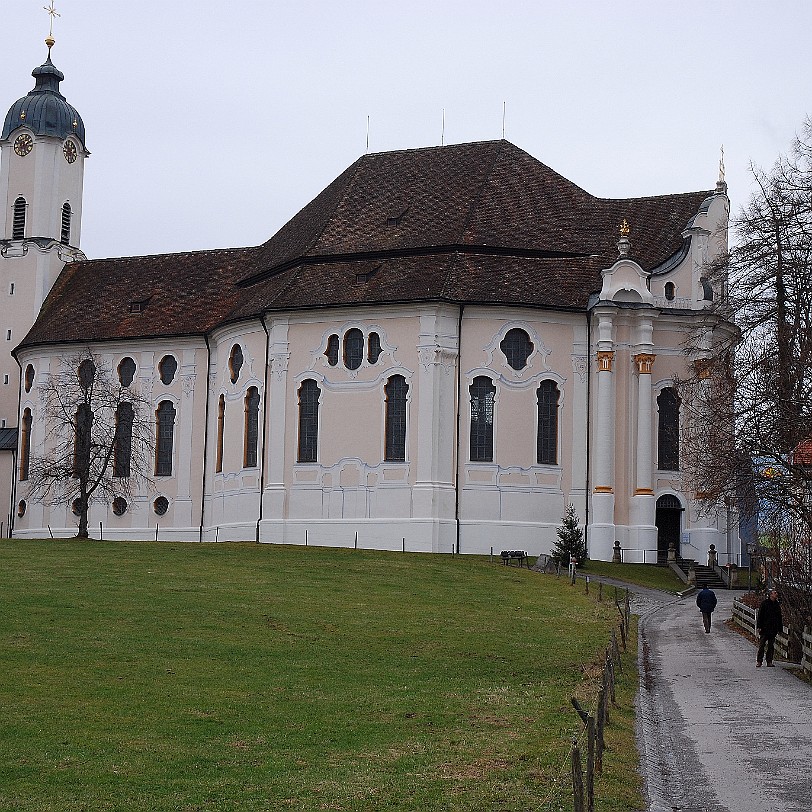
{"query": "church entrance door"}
{"type": "Point", "coordinates": [668, 519]}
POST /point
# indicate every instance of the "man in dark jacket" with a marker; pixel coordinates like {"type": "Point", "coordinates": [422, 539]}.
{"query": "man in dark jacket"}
{"type": "Point", "coordinates": [768, 623]}
{"type": "Point", "coordinates": [706, 601]}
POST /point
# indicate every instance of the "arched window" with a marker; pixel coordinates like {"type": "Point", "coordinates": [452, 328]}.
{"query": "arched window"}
{"type": "Point", "coordinates": [251, 427]}
{"type": "Point", "coordinates": [25, 444]}
{"type": "Point", "coordinates": [483, 394]}
{"type": "Point", "coordinates": [66, 214]}
{"type": "Point", "coordinates": [123, 440]}
{"type": "Point", "coordinates": [235, 362]}
{"type": "Point", "coordinates": [308, 421]}
{"type": "Point", "coordinates": [373, 348]}
{"type": "Point", "coordinates": [547, 438]}
{"type": "Point", "coordinates": [221, 421]}
{"type": "Point", "coordinates": [668, 404]}
{"type": "Point", "coordinates": [332, 350]}
{"type": "Point", "coordinates": [126, 371]}
{"type": "Point", "coordinates": [516, 346]}
{"type": "Point", "coordinates": [18, 223]}
{"type": "Point", "coordinates": [396, 389]}
{"type": "Point", "coordinates": [82, 440]}
{"type": "Point", "coordinates": [167, 369]}
{"type": "Point", "coordinates": [165, 435]}
{"type": "Point", "coordinates": [353, 348]}
{"type": "Point", "coordinates": [707, 290]}
{"type": "Point", "coordinates": [29, 377]}
{"type": "Point", "coordinates": [670, 291]}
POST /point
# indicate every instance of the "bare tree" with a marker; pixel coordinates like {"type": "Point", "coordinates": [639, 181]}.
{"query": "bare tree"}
{"type": "Point", "coordinates": [747, 405]}
{"type": "Point", "coordinates": [99, 437]}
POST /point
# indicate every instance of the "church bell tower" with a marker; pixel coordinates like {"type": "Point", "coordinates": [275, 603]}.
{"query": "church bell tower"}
{"type": "Point", "coordinates": [42, 156]}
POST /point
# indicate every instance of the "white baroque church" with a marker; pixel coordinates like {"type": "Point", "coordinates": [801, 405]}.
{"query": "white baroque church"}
{"type": "Point", "coordinates": [439, 352]}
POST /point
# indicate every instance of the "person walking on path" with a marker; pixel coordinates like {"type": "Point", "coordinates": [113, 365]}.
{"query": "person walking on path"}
{"type": "Point", "coordinates": [706, 601]}
{"type": "Point", "coordinates": [768, 623]}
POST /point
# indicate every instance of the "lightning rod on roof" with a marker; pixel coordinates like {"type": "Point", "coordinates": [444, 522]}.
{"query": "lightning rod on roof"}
{"type": "Point", "coordinates": [442, 130]}
{"type": "Point", "coordinates": [367, 134]}
{"type": "Point", "coordinates": [504, 110]}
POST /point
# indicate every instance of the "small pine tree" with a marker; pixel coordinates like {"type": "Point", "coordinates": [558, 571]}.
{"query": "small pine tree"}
{"type": "Point", "coordinates": [571, 545]}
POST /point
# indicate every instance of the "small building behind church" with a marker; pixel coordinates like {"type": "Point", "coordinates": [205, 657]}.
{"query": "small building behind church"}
{"type": "Point", "coordinates": [439, 353]}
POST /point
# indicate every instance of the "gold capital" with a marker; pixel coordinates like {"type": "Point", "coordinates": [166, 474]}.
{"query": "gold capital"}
{"type": "Point", "coordinates": [605, 360]}
{"type": "Point", "coordinates": [644, 361]}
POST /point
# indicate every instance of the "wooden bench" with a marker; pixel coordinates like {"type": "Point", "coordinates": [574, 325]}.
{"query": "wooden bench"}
{"type": "Point", "coordinates": [519, 556]}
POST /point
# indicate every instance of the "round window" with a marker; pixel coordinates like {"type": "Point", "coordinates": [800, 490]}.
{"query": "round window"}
{"type": "Point", "coordinates": [119, 506]}
{"type": "Point", "coordinates": [160, 505]}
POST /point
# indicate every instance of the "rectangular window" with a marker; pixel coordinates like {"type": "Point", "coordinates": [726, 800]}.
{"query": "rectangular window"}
{"type": "Point", "coordinates": [11, 289]}
{"type": "Point", "coordinates": [8, 335]}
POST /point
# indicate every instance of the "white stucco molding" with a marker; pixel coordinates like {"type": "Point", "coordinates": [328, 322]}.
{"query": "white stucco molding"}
{"type": "Point", "coordinates": [625, 281]}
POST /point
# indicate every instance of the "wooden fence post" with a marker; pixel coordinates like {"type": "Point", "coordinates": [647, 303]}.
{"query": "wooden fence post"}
{"type": "Point", "coordinates": [577, 778]}
{"type": "Point", "coordinates": [599, 737]}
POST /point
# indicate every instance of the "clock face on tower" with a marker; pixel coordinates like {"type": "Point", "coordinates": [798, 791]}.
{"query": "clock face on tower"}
{"type": "Point", "coordinates": [23, 144]}
{"type": "Point", "coordinates": [69, 151]}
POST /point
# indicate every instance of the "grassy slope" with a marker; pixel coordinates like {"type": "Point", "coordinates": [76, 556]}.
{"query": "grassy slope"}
{"type": "Point", "coordinates": [220, 677]}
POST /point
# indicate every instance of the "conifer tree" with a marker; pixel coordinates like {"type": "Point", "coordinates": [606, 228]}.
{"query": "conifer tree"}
{"type": "Point", "coordinates": [571, 545]}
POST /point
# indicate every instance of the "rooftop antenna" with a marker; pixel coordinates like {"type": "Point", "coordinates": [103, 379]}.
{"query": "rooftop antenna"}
{"type": "Point", "coordinates": [52, 13]}
{"type": "Point", "coordinates": [442, 131]}
{"type": "Point", "coordinates": [367, 134]}
{"type": "Point", "coordinates": [504, 110]}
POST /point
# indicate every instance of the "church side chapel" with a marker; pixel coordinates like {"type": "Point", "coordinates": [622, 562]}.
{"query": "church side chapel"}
{"type": "Point", "coordinates": [440, 352]}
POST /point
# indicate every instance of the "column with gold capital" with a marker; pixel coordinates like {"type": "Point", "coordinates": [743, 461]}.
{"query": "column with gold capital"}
{"type": "Point", "coordinates": [602, 528]}
{"type": "Point", "coordinates": [644, 362]}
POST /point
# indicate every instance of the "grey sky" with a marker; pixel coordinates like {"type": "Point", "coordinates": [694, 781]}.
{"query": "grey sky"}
{"type": "Point", "coordinates": [211, 123]}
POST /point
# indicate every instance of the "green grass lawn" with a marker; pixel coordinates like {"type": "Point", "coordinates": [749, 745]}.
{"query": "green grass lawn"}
{"type": "Point", "coordinates": [641, 574]}
{"type": "Point", "coordinates": [149, 677]}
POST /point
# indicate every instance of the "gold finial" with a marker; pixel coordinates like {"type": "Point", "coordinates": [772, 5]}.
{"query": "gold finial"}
{"type": "Point", "coordinates": [624, 228]}
{"type": "Point", "coordinates": [52, 12]}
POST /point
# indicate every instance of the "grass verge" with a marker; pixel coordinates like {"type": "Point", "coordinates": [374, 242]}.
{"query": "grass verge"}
{"type": "Point", "coordinates": [647, 575]}
{"type": "Point", "coordinates": [150, 677]}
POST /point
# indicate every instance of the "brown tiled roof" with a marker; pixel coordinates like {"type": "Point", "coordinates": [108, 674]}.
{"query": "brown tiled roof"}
{"type": "Point", "coordinates": [482, 222]}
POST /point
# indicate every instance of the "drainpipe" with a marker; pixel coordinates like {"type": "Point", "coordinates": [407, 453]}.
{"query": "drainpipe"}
{"type": "Point", "coordinates": [205, 438]}
{"type": "Point", "coordinates": [264, 426]}
{"type": "Point", "coordinates": [12, 513]}
{"type": "Point", "coordinates": [588, 423]}
{"type": "Point", "coordinates": [457, 439]}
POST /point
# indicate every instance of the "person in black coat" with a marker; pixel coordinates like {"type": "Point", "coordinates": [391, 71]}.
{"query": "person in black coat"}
{"type": "Point", "coordinates": [768, 623]}
{"type": "Point", "coordinates": [706, 601]}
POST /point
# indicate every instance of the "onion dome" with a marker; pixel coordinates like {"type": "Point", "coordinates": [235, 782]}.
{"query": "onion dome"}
{"type": "Point", "coordinates": [44, 110]}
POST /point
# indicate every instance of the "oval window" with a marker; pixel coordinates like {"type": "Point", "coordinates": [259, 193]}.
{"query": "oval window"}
{"type": "Point", "coordinates": [167, 369]}
{"type": "Point", "coordinates": [160, 505]}
{"type": "Point", "coordinates": [86, 373]}
{"type": "Point", "coordinates": [75, 509]}
{"type": "Point", "coordinates": [516, 346]}
{"type": "Point", "coordinates": [21, 508]}
{"type": "Point", "coordinates": [119, 506]}
{"type": "Point", "coordinates": [235, 362]}
{"type": "Point", "coordinates": [126, 371]}
{"type": "Point", "coordinates": [670, 291]}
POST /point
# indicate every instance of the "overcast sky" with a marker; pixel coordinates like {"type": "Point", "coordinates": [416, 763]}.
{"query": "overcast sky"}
{"type": "Point", "coordinates": [212, 123]}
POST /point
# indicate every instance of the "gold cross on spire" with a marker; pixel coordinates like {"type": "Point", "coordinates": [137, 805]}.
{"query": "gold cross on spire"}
{"type": "Point", "coordinates": [52, 13]}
